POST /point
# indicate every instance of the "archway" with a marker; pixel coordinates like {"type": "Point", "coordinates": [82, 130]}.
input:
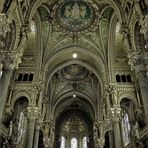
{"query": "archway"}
{"type": "Point", "coordinates": [74, 124]}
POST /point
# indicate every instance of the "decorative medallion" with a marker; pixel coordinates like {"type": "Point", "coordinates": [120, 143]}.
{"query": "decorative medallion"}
{"type": "Point", "coordinates": [74, 72]}
{"type": "Point", "coordinates": [75, 15]}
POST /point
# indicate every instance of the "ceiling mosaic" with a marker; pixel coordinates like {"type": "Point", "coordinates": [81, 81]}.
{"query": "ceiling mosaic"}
{"type": "Point", "coordinates": [74, 72]}
{"type": "Point", "coordinates": [76, 15]}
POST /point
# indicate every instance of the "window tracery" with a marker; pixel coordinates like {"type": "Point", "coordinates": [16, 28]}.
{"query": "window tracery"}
{"type": "Point", "coordinates": [21, 127]}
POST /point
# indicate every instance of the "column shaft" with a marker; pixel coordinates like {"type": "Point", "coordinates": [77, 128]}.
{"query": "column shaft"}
{"type": "Point", "coordinates": [143, 83]}
{"type": "Point", "coordinates": [4, 84]}
{"type": "Point", "coordinates": [36, 138]}
{"type": "Point", "coordinates": [111, 139]}
{"type": "Point", "coordinates": [117, 135]}
{"type": "Point", "coordinates": [30, 132]}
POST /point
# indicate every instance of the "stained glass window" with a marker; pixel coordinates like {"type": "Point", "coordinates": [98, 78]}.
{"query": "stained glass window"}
{"type": "Point", "coordinates": [32, 26]}
{"type": "Point", "coordinates": [74, 143]}
{"type": "Point", "coordinates": [63, 142]}
{"type": "Point", "coordinates": [84, 142]}
{"type": "Point", "coordinates": [21, 127]}
{"type": "Point", "coordinates": [125, 127]}
{"type": "Point", "coordinates": [1, 72]}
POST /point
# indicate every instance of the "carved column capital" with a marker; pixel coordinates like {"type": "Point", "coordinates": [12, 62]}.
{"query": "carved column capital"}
{"type": "Point", "coordinates": [101, 142]}
{"type": "Point", "coordinates": [138, 61]}
{"type": "Point", "coordinates": [10, 60]}
{"type": "Point", "coordinates": [32, 112]}
{"type": "Point", "coordinates": [46, 142]}
{"type": "Point", "coordinates": [116, 113]}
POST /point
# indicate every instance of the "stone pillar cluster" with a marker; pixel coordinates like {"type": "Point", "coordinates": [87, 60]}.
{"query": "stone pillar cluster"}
{"type": "Point", "coordinates": [139, 63]}
{"type": "Point", "coordinates": [116, 112]}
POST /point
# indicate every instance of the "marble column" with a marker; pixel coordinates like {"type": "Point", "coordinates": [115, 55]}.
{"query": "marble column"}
{"type": "Point", "coordinates": [116, 126]}
{"type": "Point", "coordinates": [138, 62]}
{"type": "Point", "coordinates": [36, 137]}
{"type": "Point", "coordinates": [4, 84]}
{"type": "Point", "coordinates": [37, 133]}
{"type": "Point", "coordinates": [111, 139]}
{"type": "Point", "coordinates": [143, 83]}
{"type": "Point", "coordinates": [32, 115]}
{"type": "Point", "coordinates": [30, 135]}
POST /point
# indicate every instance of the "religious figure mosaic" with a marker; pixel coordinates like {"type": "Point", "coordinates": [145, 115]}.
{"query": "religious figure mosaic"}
{"type": "Point", "coordinates": [74, 72]}
{"type": "Point", "coordinates": [75, 15]}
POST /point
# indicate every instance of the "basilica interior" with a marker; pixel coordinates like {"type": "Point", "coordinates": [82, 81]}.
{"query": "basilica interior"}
{"type": "Point", "coordinates": [73, 74]}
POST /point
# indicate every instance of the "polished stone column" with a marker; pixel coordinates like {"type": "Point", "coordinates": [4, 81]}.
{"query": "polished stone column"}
{"type": "Point", "coordinates": [143, 83]}
{"type": "Point", "coordinates": [116, 126]}
{"type": "Point", "coordinates": [111, 139]}
{"type": "Point", "coordinates": [32, 115]}
{"type": "Point", "coordinates": [30, 135]}
{"type": "Point", "coordinates": [36, 134]}
{"type": "Point", "coordinates": [139, 62]}
{"type": "Point", "coordinates": [36, 137]}
{"type": "Point", "coordinates": [4, 84]}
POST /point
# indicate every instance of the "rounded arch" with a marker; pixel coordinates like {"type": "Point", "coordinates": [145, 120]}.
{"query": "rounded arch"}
{"type": "Point", "coordinates": [19, 95]}
{"type": "Point", "coordinates": [114, 4]}
{"type": "Point", "coordinates": [48, 74]}
{"type": "Point", "coordinates": [81, 51]}
{"type": "Point", "coordinates": [111, 44]}
{"type": "Point", "coordinates": [65, 116]}
{"type": "Point", "coordinates": [66, 100]}
{"type": "Point", "coordinates": [131, 96]}
{"type": "Point", "coordinates": [73, 61]}
{"type": "Point", "coordinates": [36, 5]}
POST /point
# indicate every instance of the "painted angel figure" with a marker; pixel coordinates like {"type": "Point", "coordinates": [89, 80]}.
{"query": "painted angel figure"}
{"type": "Point", "coordinates": [83, 11]}
{"type": "Point", "coordinates": [67, 11]}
